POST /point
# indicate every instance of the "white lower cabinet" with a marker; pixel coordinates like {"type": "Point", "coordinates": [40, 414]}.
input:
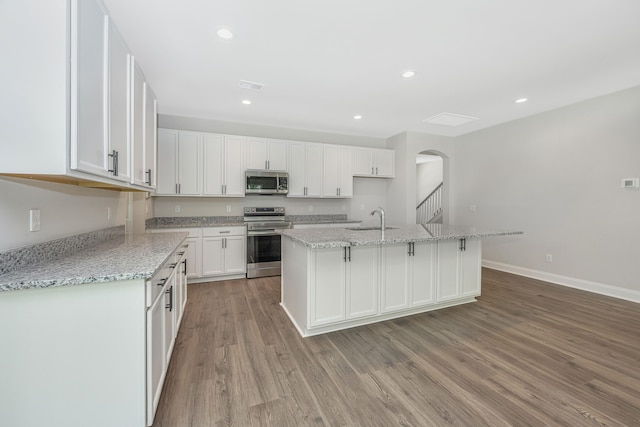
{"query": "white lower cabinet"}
{"type": "Point", "coordinates": [357, 285]}
{"type": "Point", "coordinates": [214, 253]}
{"type": "Point", "coordinates": [223, 251]}
{"type": "Point", "coordinates": [408, 272]}
{"type": "Point", "coordinates": [460, 265]}
{"type": "Point", "coordinates": [345, 285]}
{"type": "Point", "coordinates": [167, 295]}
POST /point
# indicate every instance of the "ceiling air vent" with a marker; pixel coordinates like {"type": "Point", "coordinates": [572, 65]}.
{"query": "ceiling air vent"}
{"type": "Point", "coordinates": [245, 84]}
{"type": "Point", "coordinates": [449, 119]}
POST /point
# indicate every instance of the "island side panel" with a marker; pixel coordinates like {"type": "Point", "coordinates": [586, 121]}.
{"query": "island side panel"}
{"type": "Point", "coordinates": [73, 356]}
{"type": "Point", "coordinates": [294, 282]}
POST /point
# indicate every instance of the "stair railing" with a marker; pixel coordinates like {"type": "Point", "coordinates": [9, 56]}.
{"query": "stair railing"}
{"type": "Point", "coordinates": [430, 209]}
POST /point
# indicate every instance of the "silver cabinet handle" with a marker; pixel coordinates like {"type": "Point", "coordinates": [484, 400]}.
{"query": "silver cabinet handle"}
{"type": "Point", "coordinates": [148, 173]}
{"type": "Point", "coordinates": [372, 171]}
{"type": "Point", "coordinates": [376, 170]}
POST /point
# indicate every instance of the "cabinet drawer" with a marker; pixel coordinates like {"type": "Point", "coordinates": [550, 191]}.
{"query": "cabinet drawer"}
{"type": "Point", "coordinates": [223, 231]}
{"type": "Point", "coordinates": [157, 282]}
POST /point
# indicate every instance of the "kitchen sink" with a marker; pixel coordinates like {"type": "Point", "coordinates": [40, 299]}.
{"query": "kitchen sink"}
{"type": "Point", "coordinates": [368, 228]}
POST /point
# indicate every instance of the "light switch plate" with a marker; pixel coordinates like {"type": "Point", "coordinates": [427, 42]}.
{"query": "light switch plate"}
{"type": "Point", "coordinates": [34, 220]}
{"type": "Point", "coordinates": [630, 183]}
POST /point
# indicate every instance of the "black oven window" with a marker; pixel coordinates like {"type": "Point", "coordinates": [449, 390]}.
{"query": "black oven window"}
{"type": "Point", "coordinates": [263, 249]}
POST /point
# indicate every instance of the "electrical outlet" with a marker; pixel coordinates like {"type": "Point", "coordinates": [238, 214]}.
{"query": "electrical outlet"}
{"type": "Point", "coordinates": [549, 258]}
{"type": "Point", "coordinates": [34, 220]}
{"type": "Point", "coordinates": [472, 208]}
{"type": "Point", "coordinates": [228, 209]}
{"type": "Point", "coordinates": [177, 209]}
{"type": "Point", "coordinates": [310, 208]}
{"type": "Point", "coordinates": [108, 213]}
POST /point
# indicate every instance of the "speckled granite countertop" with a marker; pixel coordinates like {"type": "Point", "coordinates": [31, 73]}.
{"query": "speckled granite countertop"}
{"type": "Point", "coordinates": [339, 237]}
{"type": "Point", "coordinates": [124, 257]}
{"type": "Point", "coordinates": [193, 222]}
{"type": "Point", "coordinates": [228, 221]}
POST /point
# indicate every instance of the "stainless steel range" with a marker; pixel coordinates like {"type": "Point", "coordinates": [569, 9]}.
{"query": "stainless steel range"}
{"type": "Point", "coordinates": [263, 240]}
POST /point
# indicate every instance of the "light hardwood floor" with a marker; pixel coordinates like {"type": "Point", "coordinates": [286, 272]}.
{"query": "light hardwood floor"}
{"type": "Point", "coordinates": [527, 353]}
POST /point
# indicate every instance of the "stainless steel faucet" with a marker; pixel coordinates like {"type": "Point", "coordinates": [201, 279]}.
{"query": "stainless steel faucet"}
{"type": "Point", "coordinates": [380, 211]}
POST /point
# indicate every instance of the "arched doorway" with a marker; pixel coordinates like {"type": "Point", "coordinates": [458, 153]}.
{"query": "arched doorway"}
{"type": "Point", "coordinates": [430, 195]}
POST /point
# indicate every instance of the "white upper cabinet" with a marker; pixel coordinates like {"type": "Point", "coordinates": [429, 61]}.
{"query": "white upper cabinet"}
{"type": "Point", "coordinates": [77, 66]}
{"type": "Point", "coordinates": [269, 154]}
{"type": "Point", "coordinates": [337, 175]}
{"type": "Point", "coordinates": [179, 163]}
{"type": "Point", "coordinates": [150, 137]}
{"type": "Point", "coordinates": [305, 170]}
{"type": "Point", "coordinates": [223, 165]}
{"type": "Point", "coordinates": [89, 85]}
{"type": "Point", "coordinates": [373, 162]}
{"type": "Point", "coordinates": [137, 123]}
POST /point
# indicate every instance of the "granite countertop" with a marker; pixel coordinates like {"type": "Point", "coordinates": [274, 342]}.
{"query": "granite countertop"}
{"type": "Point", "coordinates": [124, 257]}
{"type": "Point", "coordinates": [229, 221]}
{"type": "Point", "coordinates": [193, 222]}
{"type": "Point", "coordinates": [340, 237]}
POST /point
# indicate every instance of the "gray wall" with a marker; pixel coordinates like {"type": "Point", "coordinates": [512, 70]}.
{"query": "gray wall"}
{"type": "Point", "coordinates": [65, 210]}
{"type": "Point", "coordinates": [557, 176]}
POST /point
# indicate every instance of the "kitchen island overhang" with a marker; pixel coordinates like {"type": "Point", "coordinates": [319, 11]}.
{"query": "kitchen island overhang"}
{"type": "Point", "coordinates": [335, 279]}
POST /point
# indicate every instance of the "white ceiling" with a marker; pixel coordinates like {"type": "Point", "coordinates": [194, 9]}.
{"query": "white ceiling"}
{"type": "Point", "coordinates": [324, 61]}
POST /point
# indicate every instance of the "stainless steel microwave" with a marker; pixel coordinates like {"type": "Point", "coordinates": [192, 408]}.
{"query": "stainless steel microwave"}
{"type": "Point", "coordinates": [266, 182]}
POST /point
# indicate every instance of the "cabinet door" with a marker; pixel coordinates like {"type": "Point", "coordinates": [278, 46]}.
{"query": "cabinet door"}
{"type": "Point", "coordinates": [155, 355]}
{"type": "Point", "coordinates": [212, 256]}
{"type": "Point", "coordinates": [423, 273]}
{"type": "Point", "coordinates": [313, 166]}
{"type": "Point", "coordinates": [330, 183]}
{"type": "Point", "coordinates": [235, 255]}
{"type": "Point", "coordinates": [89, 80]}
{"type": "Point", "coordinates": [471, 267]}
{"type": "Point", "coordinates": [150, 137]}
{"type": "Point", "coordinates": [448, 281]}
{"type": "Point", "coordinates": [194, 257]}
{"type": "Point", "coordinates": [137, 123]}
{"type": "Point", "coordinates": [395, 277]}
{"type": "Point", "coordinates": [384, 163]}
{"type": "Point", "coordinates": [256, 153]}
{"type": "Point", "coordinates": [363, 162]}
{"type": "Point", "coordinates": [213, 148]}
{"type": "Point", "coordinates": [167, 161]}
{"type": "Point", "coordinates": [277, 160]}
{"type": "Point", "coordinates": [234, 166]}
{"type": "Point", "coordinates": [189, 170]}
{"type": "Point", "coordinates": [345, 172]}
{"type": "Point", "coordinates": [297, 170]}
{"type": "Point", "coordinates": [169, 317]}
{"type": "Point", "coordinates": [327, 299]}
{"type": "Point", "coordinates": [362, 282]}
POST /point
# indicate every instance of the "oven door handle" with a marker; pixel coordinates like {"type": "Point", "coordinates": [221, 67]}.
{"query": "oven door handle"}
{"type": "Point", "coordinates": [271, 232]}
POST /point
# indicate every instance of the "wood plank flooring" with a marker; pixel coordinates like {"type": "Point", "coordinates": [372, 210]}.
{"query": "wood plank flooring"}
{"type": "Point", "coordinates": [527, 353]}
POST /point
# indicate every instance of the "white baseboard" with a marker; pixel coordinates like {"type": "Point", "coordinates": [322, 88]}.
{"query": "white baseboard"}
{"type": "Point", "coordinates": [585, 285]}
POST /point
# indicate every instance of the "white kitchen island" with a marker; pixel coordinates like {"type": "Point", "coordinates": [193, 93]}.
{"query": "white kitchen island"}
{"type": "Point", "coordinates": [335, 279]}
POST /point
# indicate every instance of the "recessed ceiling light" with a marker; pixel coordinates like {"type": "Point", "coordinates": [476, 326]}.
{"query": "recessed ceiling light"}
{"type": "Point", "coordinates": [246, 102]}
{"type": "Point", "coordinates": [224, 33]}
{"type": "Point", "coordinates": [408, 74]}
{"type": "Point", "coordinates": [520, 100]}
{"type": "Point", "coordinates": [357, 117]}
